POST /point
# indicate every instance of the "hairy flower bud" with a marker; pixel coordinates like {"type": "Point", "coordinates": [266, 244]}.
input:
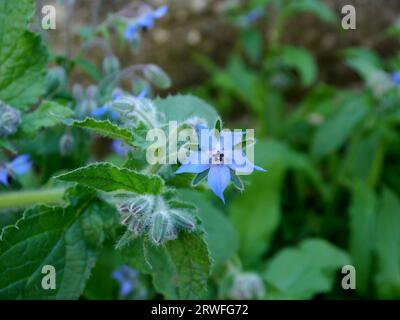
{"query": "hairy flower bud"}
{"type": "Point", "coordinates": [56, 80]}
{"type": "Point", "coordinates": [155, 218]}
{"type": "Point", "coordinates": [161, 226]}
{"type": "Point", "coordinates": [247, 286]}
{"type": "Point", "coordinates": [157, 76]}
{"type": "Point", "coordinates": [77, 92]}
{"type": "Point", "coordinates": [66, 144]}
{"type": "Point", "coordinates": [9, 120]}
{"type": "Point", "coordinates": [92, 92]}
{"type": "Point", "coordinates": [184, 221]}
{"type": "Point", "coordinates": [110, 65]}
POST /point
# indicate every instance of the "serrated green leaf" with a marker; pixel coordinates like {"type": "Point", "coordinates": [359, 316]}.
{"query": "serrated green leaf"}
{"type": "Point", "coordinates": [107, 177]}
{"type": "Point", "coordinates": [180, 269]}
{"type": "Point", "coordinates": [47, 115]}
{"type": "Point", "coordinates": [23, 59]}
{"type": "Point", "coordinates": [105, 128]}
{"type": "Point", "coordinates": [304, 271]}
{"type": "Point", "coordinates": [220, 234]}
{"type": "Point", "coordinates": [57, 236]}
{"type": "Point", "coordinates": [183, 107]}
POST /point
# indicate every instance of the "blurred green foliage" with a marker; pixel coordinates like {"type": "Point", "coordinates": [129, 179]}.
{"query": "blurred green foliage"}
{"type": "Point", "coordinates": [331, 196]}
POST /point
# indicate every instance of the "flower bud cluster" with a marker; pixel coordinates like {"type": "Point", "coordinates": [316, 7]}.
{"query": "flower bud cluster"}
{"type": "Point", "coordinates": [151, 216]}
{"type": "Point", "coordinates": [9, 120]}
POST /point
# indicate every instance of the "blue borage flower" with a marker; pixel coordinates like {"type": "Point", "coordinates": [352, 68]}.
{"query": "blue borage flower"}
{"type": "Point", "coordinates": [120, 148]}
{"type": "Point", "coordinates": [126, 278]}
{"type": "Point", "coordinates": [144, 21]}
{"type": "Point", "coordinates": [253, 16]}
{"type": "Point", "coordinates": [219, 156]}
{"type": "Point", "coordinates": [396, 78]}
{"type": "Point", "coordinates": [106, 109]}
{"type": "Point", "coordinates": [18, 166]}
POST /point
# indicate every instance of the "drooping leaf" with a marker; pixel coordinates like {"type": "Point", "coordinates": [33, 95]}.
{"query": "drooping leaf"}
{"type": "Point", "coordinates": [304, 271]}
{"type": "Point", "coordinates": [107, 177]}
{"type": "Point", "coordinates": [302, 61]}
{"type": "Point", "coordinates": [315, 7]}
{"type": "Point", "coordinates": [105, 128]}
{"type": "Point", "coordinates": [365, 62]}
{"type": "Point", "coordinates": [23, 58]}
{"type": "Point", "coordinates": [48, 114]}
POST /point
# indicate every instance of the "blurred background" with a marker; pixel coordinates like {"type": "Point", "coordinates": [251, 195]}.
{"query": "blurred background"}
{"type": "Point", "coordinates": [325, 104]}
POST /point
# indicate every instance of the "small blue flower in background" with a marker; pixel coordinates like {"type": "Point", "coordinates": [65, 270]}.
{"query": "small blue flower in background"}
{"type": "Point", "coordinates": [145, 21]}
{"type": "Point", "coordinates": [126, 278]}
{"type": "Point", "coordinates": [396, 77]}
{"type": "Point", "coordinates": [20, 165]}
{"type": "Point", "coordinates": [219, 157]}
{"type": "Point", "coordinates": [120, 148]}
{"type": "Point", "coordinates": [253, 16]}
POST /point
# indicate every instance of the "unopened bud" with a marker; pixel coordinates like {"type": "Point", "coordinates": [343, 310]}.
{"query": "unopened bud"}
{"type": "Point", "coordinates": [160, 227]}
{"type": "Point", "coordinates": [92, 92]}
{"type": "Point", "coordinates": [183, 220]}
{"type": "Point", "coordinates": [56, 80]}
{"type": "Point", "coordinates": [157, 76]}
{"type": "Point", "coordinates": [111, 65]}
{"type": "Point", "coordinates": [9, 120]}
{"type": "Point", "coordinates": [247, 286]}
{"type": "Point", "coordinates": [66, 144]}
{"type": "Point", "coordinates": [77, 92]}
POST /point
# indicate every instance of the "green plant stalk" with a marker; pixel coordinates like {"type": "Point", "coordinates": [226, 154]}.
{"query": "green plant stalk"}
{"type": "Point", "coordinates": [23, 199]}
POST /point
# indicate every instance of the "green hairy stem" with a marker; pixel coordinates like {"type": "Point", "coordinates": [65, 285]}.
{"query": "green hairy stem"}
{"type": "Point", "coordinates": [23, 199]}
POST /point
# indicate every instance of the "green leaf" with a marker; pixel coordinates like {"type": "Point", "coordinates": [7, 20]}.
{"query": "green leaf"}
{"type": "Point", "coordinates": [7, 145]}
{"type": "Point", "coordinates": [180, 269]}
{"type": "Point", "coordinates": [47, 115]}
{"type": "Point", "coordinates": [362, 214]}
{"type": "Point", "coordinates": [302, 61]}
{"type": "Point", "coordinates": [65, 238]}
{"type": "Point", "coordinates": [387, 246]}
{"type": "Point", "coordinates": [257, 212]}
{"type": "Point", "coordinates": [101, 284]}
{"type": "Point", "coordinates": [181, 108]}
{"type": "Point", "coordinates": [365, 62]}
{"type": "Point", "coordinates": [335, 131]}
{"type": "Point", "coordinates": [107, 177]}
{"type": "Point", "coordinates": [314, 7]}
{"type": "Point", "coordinates": [303, 272]}
{"type": "Point", "coordinates": [220, 234]}
{"type": "Point", "coordinates": [105, 128]}
{"type": "Point", "coordinates": [23, 58]}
